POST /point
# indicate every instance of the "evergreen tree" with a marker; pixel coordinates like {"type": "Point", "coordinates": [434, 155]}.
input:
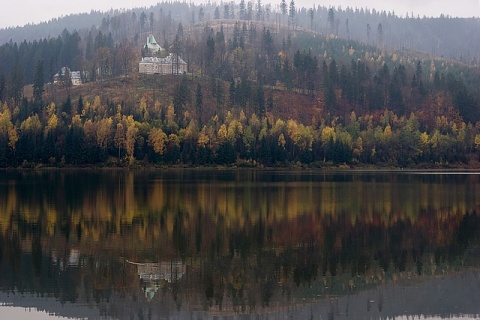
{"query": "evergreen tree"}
{"type": "Point", "coordinates": [311, 15]}
{"type": "Point", "coordinates": [199, 101]}
{"type": "Point", "coordinates": [259, 14]}
{"type": "Point", "coordinates": [226, 11]}
{"type": "Point", "coordinates": [242, 9]}
{"type": "Point", "coordinates": [38, 84]}
{"type": "Point", "coordinates": [16, 83]}
{"type": "Point", "coordinates": [283, 8]}
{"type": "Point", "coordinates": [292, 12]}
{"type": "Point", "coordinates": [380, 36]}
{"type": "Point", "coordinates": [3, 86]}
{"type": "Point", "coordinates": [232, 91]}
{"type": "Point", "coordinates": [331, 20]}
{"type": "Point", "coordinates": [143, 20]}
{"type": "Point", "coordinates": [152, 20]}
{"type": "Point", "coordinates": [180, 97]}
{"type": "Point", "coordinates": [260, 101]}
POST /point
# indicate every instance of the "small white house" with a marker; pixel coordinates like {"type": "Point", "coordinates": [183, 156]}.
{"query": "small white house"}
{"type": "Point", "coordinates": [75, 76]}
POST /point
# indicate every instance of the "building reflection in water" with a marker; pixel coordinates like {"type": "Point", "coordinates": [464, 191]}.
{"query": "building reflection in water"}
{"type": "Point", "coordinates": [154, 275]}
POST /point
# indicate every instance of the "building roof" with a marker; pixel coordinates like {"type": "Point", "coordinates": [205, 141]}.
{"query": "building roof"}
{"type": "Point", "coordinates": [152, 44]}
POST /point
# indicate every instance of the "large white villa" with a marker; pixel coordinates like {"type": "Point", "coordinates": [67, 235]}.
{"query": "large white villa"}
{"type": "Point", "coordinates": [171, 64]}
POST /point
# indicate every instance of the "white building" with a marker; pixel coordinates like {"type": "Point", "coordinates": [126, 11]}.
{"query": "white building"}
{"type": "Point", "coordinates": [75, 76]}
{"type": "Point", "coordinates": [172, 64]}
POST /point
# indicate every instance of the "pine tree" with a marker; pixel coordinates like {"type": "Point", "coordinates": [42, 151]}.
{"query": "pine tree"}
{"type": "Point", "coordinates": [199, 100]}
{"type": "Point", "coordinates": [283, 7]}
{"type": "Point", "coordinates": [16, 83]}
{"type": "Point", "coordinates": [3, 90]}
{"type": "Point", "coordinates": [242, 9]}
{"type": "Point", "coordinates": [38, 84]}
{"type": "Point", "coordinates": [291, 12]}
{"type": "Point", "coordinates": [331, 19]}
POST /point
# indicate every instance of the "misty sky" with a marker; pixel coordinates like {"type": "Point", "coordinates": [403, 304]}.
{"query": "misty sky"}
{"type": "Point", "coordinates": [21, 12]}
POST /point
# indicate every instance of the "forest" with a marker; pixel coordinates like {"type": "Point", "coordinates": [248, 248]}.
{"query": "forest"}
{"type": "Point", "coordinates": [266, 86]}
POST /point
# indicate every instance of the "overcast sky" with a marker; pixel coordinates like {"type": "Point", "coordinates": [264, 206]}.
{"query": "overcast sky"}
{"type": "Point", "coordinates": [21, 12]}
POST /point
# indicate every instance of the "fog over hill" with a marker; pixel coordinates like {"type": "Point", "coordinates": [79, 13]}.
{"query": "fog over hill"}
{"type": "Point", "coordinates": [46, 10]}
{"type": "Point", "coordinates": [402, 27]}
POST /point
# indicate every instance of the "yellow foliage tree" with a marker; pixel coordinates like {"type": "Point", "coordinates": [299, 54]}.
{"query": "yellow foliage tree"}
{"type": "Point", "coordinates": [281, 141]}
{"type": "Point", "coordinates": [130, 138]}
{"type": "Point", "coordinates": [32, 125]}
{"type": "Point", "coordinates": [7, 129]}
{"type": "Point", "coordinates": [327, 134]}
{"type": "Point", "coordinates": [234, 131]}
{"type": "Point", "coordinates": [52, 124]}
{"type": "Point", "coordinates": [157, 139]}
{"type": "Point", "coordinates": [90, 131]}
{"type": "Point", "coordinates": [203, 138]}
{"type": "Point", "coordinates": [104, 132]}
{"type": "Point", "coordinates": [222, 133]}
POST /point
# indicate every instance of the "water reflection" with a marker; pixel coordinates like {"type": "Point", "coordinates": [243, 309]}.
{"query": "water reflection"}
{"type": "Point", "coordinates": [219, 243]}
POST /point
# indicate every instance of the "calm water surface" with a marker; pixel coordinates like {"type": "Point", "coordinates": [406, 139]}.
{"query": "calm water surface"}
{"type": "Point", "coordinates": [239, 244]}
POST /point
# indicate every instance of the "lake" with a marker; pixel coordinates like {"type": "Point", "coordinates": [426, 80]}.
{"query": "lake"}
{"type": "Point", "coordinates": [239, 244]}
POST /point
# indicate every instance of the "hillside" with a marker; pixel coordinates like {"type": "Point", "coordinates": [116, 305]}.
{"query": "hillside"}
{"type": "Point", "coordinates": [444, 36]}
{"type": "Point", "coordinates": [256, 92]}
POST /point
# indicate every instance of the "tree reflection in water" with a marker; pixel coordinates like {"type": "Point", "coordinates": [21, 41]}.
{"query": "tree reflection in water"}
{"type": "Point", "coordinates": [214, 243]}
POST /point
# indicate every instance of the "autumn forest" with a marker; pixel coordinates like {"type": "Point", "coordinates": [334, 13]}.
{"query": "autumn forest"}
{"type": "Point", "coordinates": [266, 86]}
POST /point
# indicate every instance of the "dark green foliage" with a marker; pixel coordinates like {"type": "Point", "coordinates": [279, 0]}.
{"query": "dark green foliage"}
{"type": "Point", "coordinates": [259, 102]}
{"type": "Point", "coordinates": [3, 86]}
{"type": "Point", "coordinates": [181, 96]}
{"type": "Point", "coordinates": [199, 101]}
{"type": "Point", "coordinates": [226, 153]}
{"type": "Point", "coordinates": [38, 84]}
{"type": "Point", "coordinates": [16, 83]}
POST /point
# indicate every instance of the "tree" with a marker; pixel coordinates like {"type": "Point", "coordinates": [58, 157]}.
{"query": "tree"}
{"type": "Point", "coordinates": [259, 15]}
{"type": "Point", "coordinates": [283, 7]}
{"type": "Point", "coordinates": [177, 49]}
{"type": "Point", "coordinates": [158, 140]}
{"type": "Point", "coordinates": [291, 12]}
{"type": "Point", "coordinates": [369, 30]}
{"type": "Point", "coordinates": [130, 138]}
{"type": "Point", "coordinates": [260, 101]}
{"type": "Point", "coordinates": [242, 9]}
{"type": "Point", "coordinates": [217, 13]}
{"type": "Point", "coordinates": [152, 20]}
{"type": "Point", "coordinates": [181, 96]}
{"type": "Point", "coordinates": [3, 86]}
{"type": "Point", "coordinates": [143, 20]}
{"type": "Point", "coordinates": [8, 136]}
{"type": "Point", "coordinates": [119, 138]}
{"type": "Point", "coordinates": [16, 83]}
{"type": "Point", "coordinates": [38, 84]}
{"type": "Point", "coordinates": [311, 15]}
{"type": "Point", "coordinates": [103, 58]}
{"type": "Point", "coordinates": [31, 137]}
{"type": "Point", "coordinates": [380, 35]}
{"type": "Point", "coordinates": [199, 101]}
{"type": "Point", "coordinates": [126, 56]}
{"type": "Point", "coordinates": [226, 153]}
{"type": "Point", "coordinates": [331, 20]}
{"type": "Point", "coordinates": [249, 10]}
{"type": "Point", "coordinates": [226, 11]}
